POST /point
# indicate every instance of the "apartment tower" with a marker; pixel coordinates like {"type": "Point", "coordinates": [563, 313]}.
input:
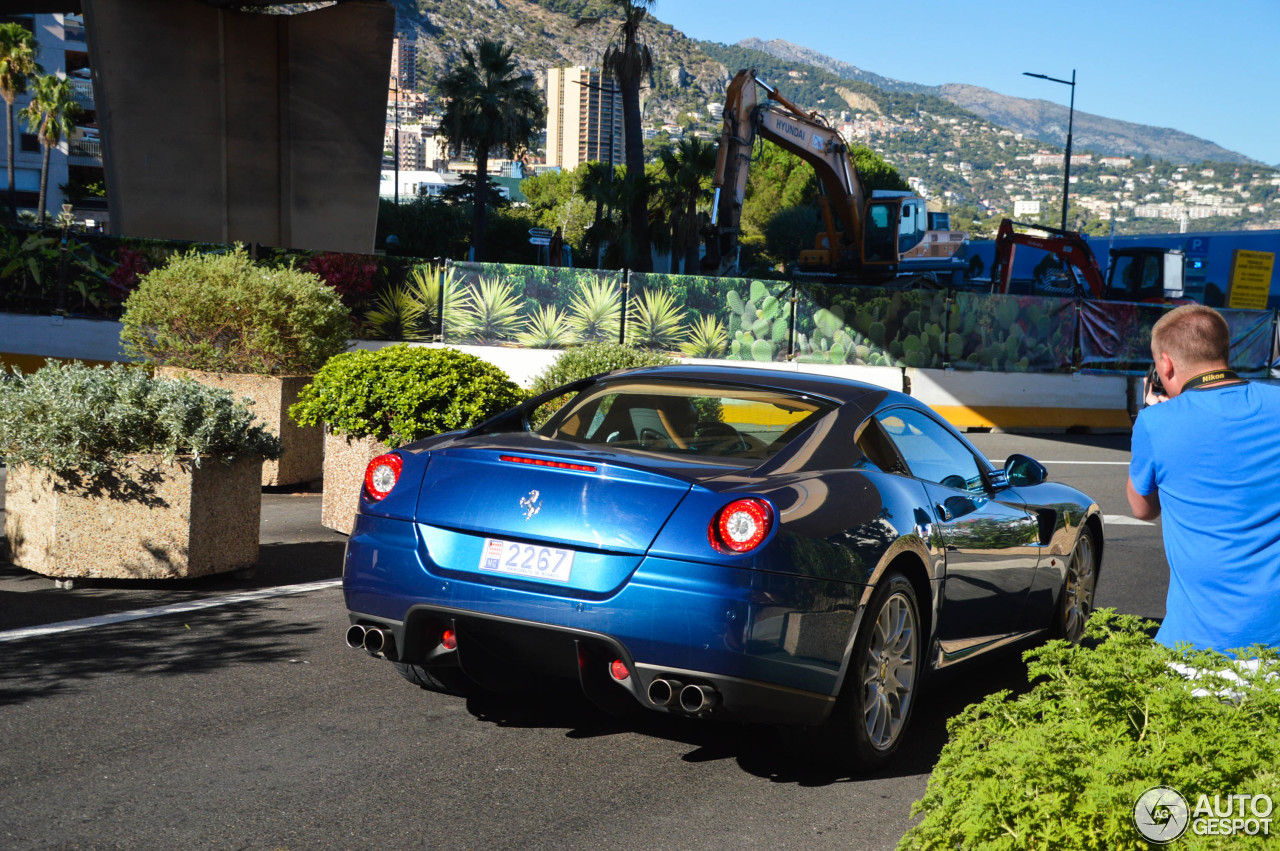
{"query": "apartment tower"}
{"type": "Point", "coordinates": [584, 118]}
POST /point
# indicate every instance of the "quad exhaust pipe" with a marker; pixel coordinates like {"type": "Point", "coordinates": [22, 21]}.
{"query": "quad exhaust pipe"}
{"type": "Point", "coordinates": [693, 699]}
{"type": "Point", "coordinates": [372, 640]}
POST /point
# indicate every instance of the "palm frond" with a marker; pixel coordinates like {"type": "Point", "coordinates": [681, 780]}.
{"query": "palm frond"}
{"type": "Point", "coordinates": [594, 312]}
{"type": "Point", "coordinates": [547, 329]}
{"type": "Point", "coordinates": [655, 322]}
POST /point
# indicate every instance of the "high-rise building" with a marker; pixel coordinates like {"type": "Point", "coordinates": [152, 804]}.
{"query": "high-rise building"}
{"type": "Point", "coordinates": [584, 118]}
{"type": "Point", "coordinates": [76, 162]}
{"type": "Point", "coordinates": [404, 60]}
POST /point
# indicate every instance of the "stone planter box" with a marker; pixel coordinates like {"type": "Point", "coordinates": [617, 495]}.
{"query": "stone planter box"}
{"type": "Point", "coordinates": [345, 460]}
{"type": "Point", "coordinates": [271, 396]}
{"type": "Point", "coordinates": [195, 521]}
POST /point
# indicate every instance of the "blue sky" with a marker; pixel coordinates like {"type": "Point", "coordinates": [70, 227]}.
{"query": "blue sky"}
{"type": "Point", "coordinates": [1211, 69]}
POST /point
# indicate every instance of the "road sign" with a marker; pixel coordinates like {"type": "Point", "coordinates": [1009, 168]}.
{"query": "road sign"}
{"type": "Point", "coordinates": [539, 240]}
{"type": "Point", "coordinates": [1250, 282]}
{"type": "Point", "coordinates": [540, 233]}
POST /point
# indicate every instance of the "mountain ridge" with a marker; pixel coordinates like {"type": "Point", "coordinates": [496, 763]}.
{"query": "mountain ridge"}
{"type": "Point", "coordinates": [1040, 119]}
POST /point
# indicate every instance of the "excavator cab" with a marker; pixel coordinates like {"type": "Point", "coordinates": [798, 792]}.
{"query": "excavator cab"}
{"type": "Point", "coordinates": [1146, 275]}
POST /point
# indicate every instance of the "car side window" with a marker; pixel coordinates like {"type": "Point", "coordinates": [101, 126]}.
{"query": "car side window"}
{"type": "Point", "coordinates": [878, 452]}
{"type": "Point", "coordinates": [932, 452]}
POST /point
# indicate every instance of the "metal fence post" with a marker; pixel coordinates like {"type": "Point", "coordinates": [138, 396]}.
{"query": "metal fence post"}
{"type": "Point", "coordinates": [626, 291]}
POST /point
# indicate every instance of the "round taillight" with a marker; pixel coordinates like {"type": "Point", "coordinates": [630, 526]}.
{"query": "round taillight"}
{"type": "Point", "coordinates": [618, 670]}
{"type": "Point", "coordinates": [449, 640]}
{"type": "Point", "coordinates": [381, 476]}
{"type": "Point", "coordinates": [741, 525]}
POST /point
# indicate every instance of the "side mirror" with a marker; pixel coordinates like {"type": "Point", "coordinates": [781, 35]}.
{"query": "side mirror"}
{"type": "Point", "coordinates": [1021, 471]}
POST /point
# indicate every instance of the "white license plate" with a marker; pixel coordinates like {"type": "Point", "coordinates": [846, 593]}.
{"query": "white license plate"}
{"type": "Point", "coordinates": [527, 560]}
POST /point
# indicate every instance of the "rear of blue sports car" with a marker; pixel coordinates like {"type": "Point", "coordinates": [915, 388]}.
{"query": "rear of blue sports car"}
{"type": "Point", "coordinates": [633, 545]}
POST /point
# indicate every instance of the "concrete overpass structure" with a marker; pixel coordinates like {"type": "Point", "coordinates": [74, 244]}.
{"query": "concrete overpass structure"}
{"type": "Point", "coordinates": [222, 123]}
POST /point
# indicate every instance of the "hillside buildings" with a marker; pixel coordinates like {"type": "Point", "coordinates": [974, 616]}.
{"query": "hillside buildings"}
{"type": "Point", "coordinates": [584, 118]}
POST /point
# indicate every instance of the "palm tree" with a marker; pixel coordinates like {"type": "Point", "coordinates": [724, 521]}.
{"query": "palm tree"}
{"type": "Point", "coordinates": [18, 49]}
{"type": "Point", "coordinates": [630, 63]}
{"type": "Point", "coordinates": [687, 169]}
{"type": "Point", "coordinates": [491, 104]}
{"type": "Point", "coordinates": [51, 116]}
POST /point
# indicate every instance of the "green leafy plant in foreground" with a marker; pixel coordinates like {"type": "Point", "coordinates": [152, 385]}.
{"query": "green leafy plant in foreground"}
{"type": "Point", "coordinates": [1062, 766]}
{"type": "Point", "coordinates": [403, 393]}
{"type": "Point", "coordinates": [80, 423]}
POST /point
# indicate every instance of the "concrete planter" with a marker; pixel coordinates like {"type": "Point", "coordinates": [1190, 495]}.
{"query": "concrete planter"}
{"type": "Point", "coordinates": [195, 521]}
{"type": "Point", "coordinates": [271, 396]}
{"type": "Point", "coordinates": [345, 460]}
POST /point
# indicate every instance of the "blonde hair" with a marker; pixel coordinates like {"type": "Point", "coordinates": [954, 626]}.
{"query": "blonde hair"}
{"type": "Point", "coordinates": [1192, 335]}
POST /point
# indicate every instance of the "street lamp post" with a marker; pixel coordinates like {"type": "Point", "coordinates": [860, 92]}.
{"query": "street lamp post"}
{"type": "Point", "coordinates": [396, 150]}
{"type": "Point", "coordinates": [1071, 114]}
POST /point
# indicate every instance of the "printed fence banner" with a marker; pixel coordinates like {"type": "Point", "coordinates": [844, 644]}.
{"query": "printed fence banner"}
{"type": "Point", "coordinates": [870, 326]}
{"type": "Point", "coordinates": [538, 307]}
{"type": "Point", "coordinates": [1252, 340]}
{"type": "Point", "coordinates": [716, 318]}
{"type": "Point", "coordinates": [1275, 351]}
{"type": "Point", "coordinates": [1011, 333]}
{"type": "Point", "coordinates": [1115, 337]}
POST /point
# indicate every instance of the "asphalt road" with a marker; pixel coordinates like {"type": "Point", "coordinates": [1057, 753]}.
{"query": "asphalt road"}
{"type": "Point", "coordinates": [250, 725]}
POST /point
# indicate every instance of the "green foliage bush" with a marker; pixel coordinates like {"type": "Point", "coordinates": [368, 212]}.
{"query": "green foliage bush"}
{"type": "Point", "coordinates": [403, 393]}
{"type": "Point", "coordinates": [80, 422]}
{"type": "Point", "coordinates": [225, 313]}
{"type": "Point", "coordinates": [1062, 766]}
{"type": "Point", "coordinates": [593, 359]}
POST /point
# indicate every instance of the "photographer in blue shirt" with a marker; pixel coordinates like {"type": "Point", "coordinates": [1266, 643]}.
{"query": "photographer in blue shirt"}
{"type": "Point", "coordinates": [1208, 458]}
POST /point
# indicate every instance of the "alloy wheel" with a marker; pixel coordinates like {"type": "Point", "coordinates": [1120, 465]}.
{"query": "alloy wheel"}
{"type": "Point", "coordinates": [889, 671]}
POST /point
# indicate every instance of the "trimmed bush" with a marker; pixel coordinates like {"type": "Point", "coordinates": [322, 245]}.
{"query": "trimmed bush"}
{"type": "Point", "coordinates": [404, 393]}
{"type": "Point", "coordinates": [80, 422]}
{"type": "Point", "coordinates": [592, 359]}
{"type": "Point", "coordinates": [1064, 765]}
{"type": "Point", "coordinates": [225, 313]}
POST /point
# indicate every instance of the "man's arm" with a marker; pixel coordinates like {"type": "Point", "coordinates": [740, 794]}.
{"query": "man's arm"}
{"type": "Point", "coordinates": [1143, 507]}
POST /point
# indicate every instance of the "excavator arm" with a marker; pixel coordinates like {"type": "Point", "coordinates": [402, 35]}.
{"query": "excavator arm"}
{"type": "Point", "coordinates": [1069, 247]}
{"type": "Point", "coordinates": [805, 134]}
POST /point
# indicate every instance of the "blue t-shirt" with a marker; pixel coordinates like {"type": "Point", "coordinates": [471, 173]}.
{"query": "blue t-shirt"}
{"type": "Point", "coordinates": [1215, 456]}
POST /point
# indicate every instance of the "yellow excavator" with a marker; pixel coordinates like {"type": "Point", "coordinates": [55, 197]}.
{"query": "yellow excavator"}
{"type": "Point", "coordinates": [867, 237]}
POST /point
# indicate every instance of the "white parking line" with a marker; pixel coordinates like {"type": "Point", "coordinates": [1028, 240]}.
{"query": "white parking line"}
{"type": "Point", "coordinates": [1000, 464]}
{"type": "Point", "coordinates": [1124, 520]}
{"type": "Point", "coordinates": [172, 609]}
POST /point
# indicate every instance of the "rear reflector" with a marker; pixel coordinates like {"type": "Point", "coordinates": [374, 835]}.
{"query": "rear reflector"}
{"type": "Point", "coordinates": [618, 670]}
{"type": "Point", "coordinates": [540, 462]}
{"type": "Point", "coordinates": [449, 640]}
{"type": "Point", "coordinates": [381, 476]}
{"type": "Point", "coordinates": [741, 526]}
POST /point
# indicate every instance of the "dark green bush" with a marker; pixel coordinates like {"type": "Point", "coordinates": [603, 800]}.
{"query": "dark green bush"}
{"type": "Point", "coordinates": [404, 393]}
{"type": "Point", "coordinates": [80, 422]}
{"type": "Point", "coordinates": [1062, 766]}
{"type": "Point", "coordinates": [592, 359]}
{"type": "Point", "coordinates": [226, 313]}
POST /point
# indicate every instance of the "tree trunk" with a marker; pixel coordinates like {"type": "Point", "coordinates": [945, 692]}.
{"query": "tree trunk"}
{"type": "Point", "coordinates": [44, 182]}
{"type": "Point", "coordinates": [691, 237]}
{"type": "Point", "coordinates": [13, 192]}
{"type": "Point", "coordinates": [641, 259]}
{"type": "Point", "coordinates": [480, 199]}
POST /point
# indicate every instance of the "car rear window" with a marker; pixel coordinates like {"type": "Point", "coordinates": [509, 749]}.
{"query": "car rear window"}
{"type": "Point", "coordinates": [716, 421]}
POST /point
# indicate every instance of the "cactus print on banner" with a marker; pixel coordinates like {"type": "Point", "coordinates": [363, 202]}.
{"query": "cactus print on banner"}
{"type": "Point", "coordinates": [869, 326]}
{"type": "Point", "coordinates": [1006, 333]}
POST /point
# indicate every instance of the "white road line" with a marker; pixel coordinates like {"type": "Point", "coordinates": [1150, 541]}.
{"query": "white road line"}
{"type": "Point", "coordinates": [161, 611]}
{"type": "Point", "coordinates": [1124, 520]}
{"type": "Point", "coordinates": [1000, 464]}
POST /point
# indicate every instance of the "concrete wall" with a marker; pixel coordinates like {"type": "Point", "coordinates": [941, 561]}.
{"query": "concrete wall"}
{"type": "Point", "coordinates": [224, 126]}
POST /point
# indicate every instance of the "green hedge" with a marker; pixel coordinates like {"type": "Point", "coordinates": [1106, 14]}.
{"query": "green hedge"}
{"type": "Point", "coordinates": [1063, 766]}
{"type": "Point", "coordinates": [226, 313]}
{"type": "Point", "coordinates": [403, 393]}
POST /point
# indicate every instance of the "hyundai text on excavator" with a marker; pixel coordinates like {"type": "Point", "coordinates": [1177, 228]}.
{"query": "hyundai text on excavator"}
{"type": "Point", "coordinates": [867, 238]}
{"type": "Point", "coordinates": [1143, 274]}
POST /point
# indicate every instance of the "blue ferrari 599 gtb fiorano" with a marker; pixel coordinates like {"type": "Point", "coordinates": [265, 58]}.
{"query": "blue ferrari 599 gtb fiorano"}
{"type": "Point", "coordinates": [753, 544]}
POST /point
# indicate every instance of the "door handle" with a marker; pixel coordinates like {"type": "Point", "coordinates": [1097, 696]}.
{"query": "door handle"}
{"type": "Point", "coordinates": [943, 513]}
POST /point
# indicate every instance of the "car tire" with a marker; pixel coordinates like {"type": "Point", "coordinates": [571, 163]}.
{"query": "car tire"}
{"type": "Point", "coordinates": [443, 680]}
{"type": "Point", "coordinates": [874, 708]}
{"type": "Point", "coordinates": [1075, 603]}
